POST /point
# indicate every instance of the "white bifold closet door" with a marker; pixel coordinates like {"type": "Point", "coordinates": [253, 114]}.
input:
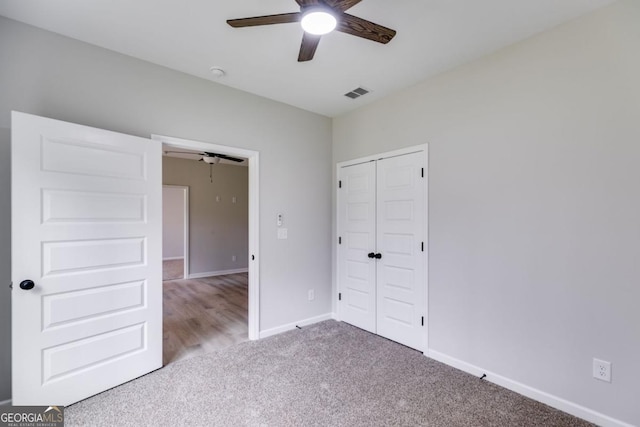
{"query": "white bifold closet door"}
{"type": "Point", "coordinates": [381, 258]}
{"type": "Point", "coordinates": [357, 221]}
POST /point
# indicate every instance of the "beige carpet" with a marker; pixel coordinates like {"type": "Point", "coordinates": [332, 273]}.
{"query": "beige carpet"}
{"type": "Point", "coordinates": [173, 269]}
{"type": "Point", "coordinates": [327, 374]}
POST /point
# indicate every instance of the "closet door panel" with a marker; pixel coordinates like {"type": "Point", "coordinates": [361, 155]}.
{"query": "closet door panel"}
{"type": "Point", "coordinates": [400, 236]}
{"type": "Point", "coordinates": [356, 227]}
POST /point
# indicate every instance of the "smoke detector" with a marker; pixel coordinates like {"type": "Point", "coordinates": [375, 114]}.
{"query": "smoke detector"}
{"type": "Point", "coordinates": [217, 72]}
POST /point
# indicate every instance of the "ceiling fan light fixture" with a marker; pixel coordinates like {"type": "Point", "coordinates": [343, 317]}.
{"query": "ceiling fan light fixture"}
{"type": "Point", "coordinates": [318, 21]}
{"type": "Point", "coordinates": [211, 160]}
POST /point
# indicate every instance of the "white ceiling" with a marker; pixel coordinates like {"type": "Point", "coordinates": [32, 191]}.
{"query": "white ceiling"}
{"type": "Point", "coordinates": [192, 36]}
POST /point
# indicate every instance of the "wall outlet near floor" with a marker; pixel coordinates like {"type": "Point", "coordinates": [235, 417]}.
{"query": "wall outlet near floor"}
{"type": "Point", "coordinates": [602, 370]}
{"type": "Point", "coordinates": [312, 295]}
{"type": "Point", "coordinates": [233, 258]}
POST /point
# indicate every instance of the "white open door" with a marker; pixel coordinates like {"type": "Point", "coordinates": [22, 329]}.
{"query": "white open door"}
{"type": "Point", "coordinates": [86, 236]}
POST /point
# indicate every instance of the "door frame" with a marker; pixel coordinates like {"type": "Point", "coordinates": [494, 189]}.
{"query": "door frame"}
{"type": "Point", "coordinates": [185, 226]}
{"type": "Point", "coordinates": [254, 216]}
{"type": "Point", "coordinates": [379, 156]}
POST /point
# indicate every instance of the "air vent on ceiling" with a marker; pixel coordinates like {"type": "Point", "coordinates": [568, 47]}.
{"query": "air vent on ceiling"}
{"type": "Point", "coordinates": [357, 93]}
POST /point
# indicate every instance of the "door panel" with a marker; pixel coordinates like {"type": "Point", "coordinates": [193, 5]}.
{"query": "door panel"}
{"type": "Point", "coordinates": [400, 232]}
{"type": "Point", "coordinates": [86, 228]}
{"type": "Point", "coordinates": [61, 206]}
{"type": "Point", "coordinates": [67, 307]}
{"type": "Point", "coordinates": [356, 271]}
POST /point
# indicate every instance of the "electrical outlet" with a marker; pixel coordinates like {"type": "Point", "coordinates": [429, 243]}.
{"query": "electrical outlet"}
{"type": "Point", "coordinates": [602, 370]}
{"type": "Point", "coordinates": [233, 258]}
{"type": "Point", "coordinates": [312, 295]}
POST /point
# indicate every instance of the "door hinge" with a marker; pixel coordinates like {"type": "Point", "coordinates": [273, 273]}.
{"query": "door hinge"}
{"type": "Point", "coordinates": [422, 246]}
{"type": "Point", "coordinates": [422, 320]}
{"type": "Point", "coordinates": [340, 297]}
{"type": "Point", "coordinates": [339, 184]}
{"type": "Point", "coordinates": [339, 240]}
{"type": "Point", "coordinates": [422, 173]}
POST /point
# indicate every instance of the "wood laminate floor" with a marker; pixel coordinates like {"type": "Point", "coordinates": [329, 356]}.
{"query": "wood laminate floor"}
{"type": "Point", "coordinates": [204, 315]}
{"type": "Point", "coordinates": [173, 269]}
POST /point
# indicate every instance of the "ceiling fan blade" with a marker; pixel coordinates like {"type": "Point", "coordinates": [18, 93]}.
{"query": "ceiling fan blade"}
{"type": "Point", "coordinates": [283, 18]}
{"type": "Point", "coordinates": [222, 156]}
{"type": "Point", "coordinates": [233, 159]}
{"type": "Point", "coordinates": [342, 5]}
{"type": "Point", "coordinates": [305, 3]}
{"type": "Point", "coordinates": [308, 47]}
{"type": "Point", "coordinates": [359, 27]}
{"type": "Point", "coordinates": [183, 152]}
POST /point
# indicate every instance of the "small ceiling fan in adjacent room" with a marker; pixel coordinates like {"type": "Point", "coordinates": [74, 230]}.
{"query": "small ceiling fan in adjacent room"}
{"type": "Point", "coordinates": [319, 17]}
{"type": "Point", "coordinates": [209, 158]}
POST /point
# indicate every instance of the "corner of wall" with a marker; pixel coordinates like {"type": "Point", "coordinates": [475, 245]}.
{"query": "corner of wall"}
{"type": "Point", "coordinates": [5, 264]}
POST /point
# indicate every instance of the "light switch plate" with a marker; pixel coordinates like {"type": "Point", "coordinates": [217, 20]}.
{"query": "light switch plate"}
{"type": "Point", "coordinates": [282, 233]}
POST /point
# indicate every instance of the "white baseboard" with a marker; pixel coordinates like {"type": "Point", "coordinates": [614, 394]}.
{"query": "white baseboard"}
{"type": "Point", "coordinates": [5, 402]}
{"type": "Point", "coordinates": [217, 273]}
{"type": "Point", "coordinates": [533, 393]}
{"type": "Point", "coordinates": [290, 326]}
{"type": "Point", "coordinates": [172, 258]}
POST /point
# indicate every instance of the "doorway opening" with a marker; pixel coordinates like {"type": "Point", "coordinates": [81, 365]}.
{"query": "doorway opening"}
{"type": "Point", "coordinates": [216, 302]}
{"type": "Point", "coordinates": [175, 232]}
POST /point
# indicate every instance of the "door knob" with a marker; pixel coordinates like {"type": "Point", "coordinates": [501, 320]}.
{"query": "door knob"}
{"type": "Point", "coordinates": [27, 284]}
{"type": "Point", "coordinates": [371, 255]}
{"type": "Point", "coordinates": [378, 256]}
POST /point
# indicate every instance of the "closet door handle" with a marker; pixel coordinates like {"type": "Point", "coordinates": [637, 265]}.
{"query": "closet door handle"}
{"type": "Point", "coordinates": [27, 284]}
{"type": "Point", "coordinates": [378, 256]}
{"type": "Point", "coordinates": [371, 255]}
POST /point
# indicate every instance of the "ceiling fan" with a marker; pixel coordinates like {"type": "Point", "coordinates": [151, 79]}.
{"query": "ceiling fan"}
{"type": "Point", "coordinates": [319, 17]}
{"type": "Point", "coordinates": [207, 157]}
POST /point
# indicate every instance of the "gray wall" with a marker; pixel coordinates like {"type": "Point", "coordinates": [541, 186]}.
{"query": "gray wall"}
{"type": "Point", "coordinates": [53, 76]}
{"type": "Point", "coordinates": [217, 230]}
{"type": "Point", "coordinates": [5, 263]}
{"type": "Point", "coordinates": [534, 213]}
{"type": "Point", "coordinates": [172, 221]}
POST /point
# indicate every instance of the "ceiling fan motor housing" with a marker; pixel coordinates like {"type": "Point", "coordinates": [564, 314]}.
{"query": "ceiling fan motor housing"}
{"type": "Point", "coordinates": [211, 160]}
